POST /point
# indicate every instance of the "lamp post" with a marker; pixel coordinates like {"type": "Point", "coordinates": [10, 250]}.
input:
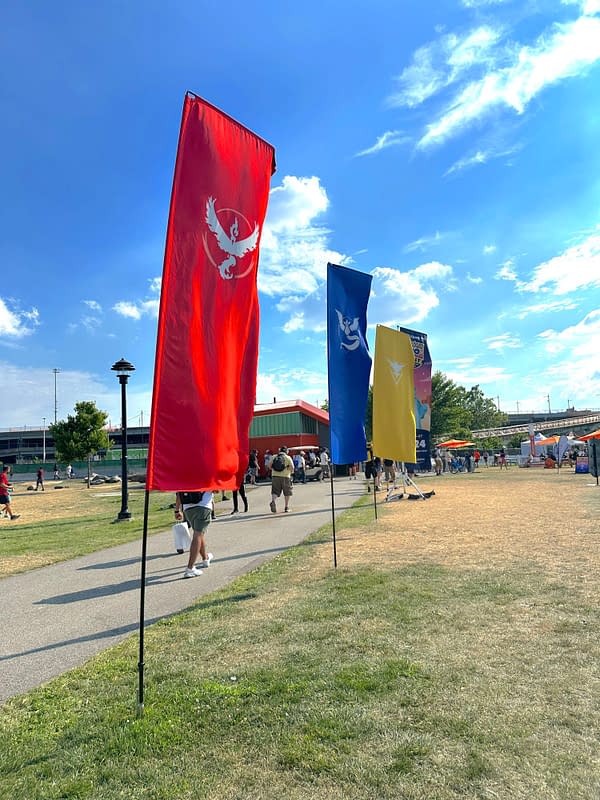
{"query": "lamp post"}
{"type": "Point", "coordinates": [44, 440]}
{"type": "Point", "coordinates": [55, 371]}
{"type": "Point", "coordinates": [123, 368]}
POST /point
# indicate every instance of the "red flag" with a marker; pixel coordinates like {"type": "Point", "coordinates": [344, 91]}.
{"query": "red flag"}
{"type": "Point", "coordinates": [207, 344]}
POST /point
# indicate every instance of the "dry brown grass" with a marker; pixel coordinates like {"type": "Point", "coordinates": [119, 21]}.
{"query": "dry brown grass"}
{"type": "Point", "coordinates": [489, 519]}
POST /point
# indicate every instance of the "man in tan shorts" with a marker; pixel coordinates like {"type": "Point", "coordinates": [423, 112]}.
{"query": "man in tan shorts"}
{"type": "Point", "coordinates": [282, 469]}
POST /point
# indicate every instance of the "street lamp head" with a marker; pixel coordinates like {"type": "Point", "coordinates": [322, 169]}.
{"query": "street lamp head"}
{"type": "Point", "coordinates": [123, 368]}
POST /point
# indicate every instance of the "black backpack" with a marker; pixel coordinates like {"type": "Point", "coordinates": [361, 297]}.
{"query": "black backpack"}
{"type": "Point", "coordinates": [278, 463]}
{"type": "Point", "coordinates": [190, 497]}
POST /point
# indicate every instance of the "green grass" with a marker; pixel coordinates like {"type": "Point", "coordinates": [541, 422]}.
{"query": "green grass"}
{"type": "Point", "coordinates": [300, 682]}
{"type": "Point", "coordinates": [82, 529]}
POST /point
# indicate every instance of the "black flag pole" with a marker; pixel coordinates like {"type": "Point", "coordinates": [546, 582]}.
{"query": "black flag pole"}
{"type": "Point", "coordinates": [331, 468]}
{"type": "Point", "coordinates": [140, 706]}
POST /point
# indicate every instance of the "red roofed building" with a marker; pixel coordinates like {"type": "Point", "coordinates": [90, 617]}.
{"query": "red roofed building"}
{"type": "Point", "coordinates": [293, 423]}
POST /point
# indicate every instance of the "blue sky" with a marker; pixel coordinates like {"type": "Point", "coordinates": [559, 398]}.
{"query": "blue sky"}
{"type": "Point", "coordinates": [451, 149]}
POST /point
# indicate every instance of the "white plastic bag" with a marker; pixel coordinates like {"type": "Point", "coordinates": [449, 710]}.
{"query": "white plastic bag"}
{"type": "Point", "coordinates": [181, 536]}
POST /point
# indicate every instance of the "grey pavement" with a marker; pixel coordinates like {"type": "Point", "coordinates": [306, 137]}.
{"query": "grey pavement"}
{"type": "Point", "coordinates": [57, 617]}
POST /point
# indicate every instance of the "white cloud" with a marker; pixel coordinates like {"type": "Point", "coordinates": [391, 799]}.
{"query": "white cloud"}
{"type": "Point", "coordinates": [125, 309]}
{"type": "Point", "coordinates": [287, 384]}
{"type": "Point", "coordinates": [579, 343]}
{"type": "Point", "coordinates": [295, 203]}
{"type": "Point", "coordinates": [439, 64]}
{"type": "Point", "coordinates": [136, 309]}
{"type": "Point", "coordinates": [424, 242]}
{"type": "Point", "coordinates": [577, 268]}
{"type": "Point", "coordinates": [407, 297]}
{"type": "Point", "coordinates": [489, 248]}
{"type": "Point", "coordinates": [93, 305]}
{"type": "Point", "coordinates": [15, 323]}
{"type": "Point", "coordinates": [474, 279]}
{"type": "Point", "coordinates": [506, 271]}
{"type": "Point", "coordinates": [482, 157]}
{"type": "Point", "coordinates": [387, 139]}
{"type": "Point", "coordinates": [294, 248]}
{"type": "Point", "coordinates": [502, 342]}
{"type": "Point", "coordinates": [547, 308]}
{"type": "Point", "coordinates": [567, 51]}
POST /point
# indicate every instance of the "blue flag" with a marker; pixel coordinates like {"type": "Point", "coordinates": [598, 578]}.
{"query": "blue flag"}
{"type": "Point", "coordinates": [349, 362]}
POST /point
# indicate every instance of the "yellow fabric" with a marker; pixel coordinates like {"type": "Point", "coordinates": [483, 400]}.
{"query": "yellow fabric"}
{"type": "Point", "coordinates": [394, 428]}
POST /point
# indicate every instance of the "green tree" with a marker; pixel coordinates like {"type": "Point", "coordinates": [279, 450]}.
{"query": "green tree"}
{"type": "Point", "coordinates": [482, 410]}
{"type": "Point", "coordinates": [324, 405]}
{"type": "Point", "coordinates": [449, 415]}
{"type": "Point", "coordinates": [80, 435]}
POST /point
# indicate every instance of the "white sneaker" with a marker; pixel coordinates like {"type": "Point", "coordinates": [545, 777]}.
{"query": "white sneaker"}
{"type": "Point", "coordinates": [206, 563]}
{"type": "Point", "coordinates": [192, 572]}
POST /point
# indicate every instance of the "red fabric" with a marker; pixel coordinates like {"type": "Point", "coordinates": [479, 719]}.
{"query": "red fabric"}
{"type": "Point", "coordinates": [207, 344]}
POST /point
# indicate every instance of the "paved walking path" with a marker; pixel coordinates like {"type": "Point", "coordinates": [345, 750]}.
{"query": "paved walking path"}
{"type": "Point", "coordinates": [57, 617]}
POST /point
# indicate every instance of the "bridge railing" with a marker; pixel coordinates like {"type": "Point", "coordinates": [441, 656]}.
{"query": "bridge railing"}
{"type": "Point", "coordinates": [567, 422]}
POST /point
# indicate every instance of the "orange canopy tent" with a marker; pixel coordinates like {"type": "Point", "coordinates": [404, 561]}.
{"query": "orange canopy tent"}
{"type": "Point", "coordinates": [549, 440]}
{"type": "Point", "coordinates": [592, 435]}
{"type": "Point", "coordinates": [456, 443]}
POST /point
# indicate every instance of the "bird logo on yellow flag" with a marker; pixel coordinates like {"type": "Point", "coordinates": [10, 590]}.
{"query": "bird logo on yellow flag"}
{"type": "Point", "coordinates": [394, 428]}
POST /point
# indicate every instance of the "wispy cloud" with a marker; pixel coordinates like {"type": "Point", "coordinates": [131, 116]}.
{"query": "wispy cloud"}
{"type": "Point", "coordinates": [474, 278]}
{"type": "Point", "coordinates": [488, 249]}
{"type": "Point", "coordinates": [565, 51]}
{"type": "Point", "coordinates": [481, 157]}
{"type": "Point", "coordinates": [575, 269]}
{"type": "Point", "coordinates": [552, 307]}
{"type": "Point", "coordinates": [425, 242]}
{"type": "Point", "coordinates": [438, 64]}
{"type": "Point", "coordinates": [503, 342]}
{"type": "Point", "coordinates": [387, 139]}
{"type": "Point", "coordinates": [16, 323]}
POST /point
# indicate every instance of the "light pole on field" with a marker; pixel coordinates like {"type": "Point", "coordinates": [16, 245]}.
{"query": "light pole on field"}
{"type": "Point", "coordinates": [123, 369]}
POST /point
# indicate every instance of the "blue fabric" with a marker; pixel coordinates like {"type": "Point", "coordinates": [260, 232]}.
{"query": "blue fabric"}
{"type": "Point", "coordinates": [349, 362]}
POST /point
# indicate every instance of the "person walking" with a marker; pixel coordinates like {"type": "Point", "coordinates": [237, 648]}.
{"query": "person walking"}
{"type": "Point", "coordinates": [241, 490]}
{"type": "Point", "coordinates": [40, 479]}
{"type": "Point", "coordinates": [253, 467]}
{"type": "Point", "coordinates": [5, 485]}
{"type": "Point", "coordinates": [282, 469]}
{"type": "Point", "coordinates": [195, 508]}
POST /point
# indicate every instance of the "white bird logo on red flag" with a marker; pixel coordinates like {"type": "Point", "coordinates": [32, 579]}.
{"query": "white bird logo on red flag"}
{"type": "Point", "coordinates": [230, 244]}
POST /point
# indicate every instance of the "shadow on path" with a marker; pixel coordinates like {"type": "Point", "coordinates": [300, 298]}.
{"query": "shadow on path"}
{"type": "Point", "coordinates": [123, 630]}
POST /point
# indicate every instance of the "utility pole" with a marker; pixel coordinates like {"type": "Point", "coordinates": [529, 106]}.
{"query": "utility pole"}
{"type": "Point", "coordinates": [549, 409]}
{"type": "Point", "coordinates": [517, 406]}
{"type": "Point", "coordinates": [44, 440]}
{"type": "Point", "coordinates": [55, 371]}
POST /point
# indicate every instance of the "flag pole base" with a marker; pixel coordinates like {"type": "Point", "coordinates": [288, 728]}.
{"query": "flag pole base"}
{"type": "Point", "coordinates": [408, 481]}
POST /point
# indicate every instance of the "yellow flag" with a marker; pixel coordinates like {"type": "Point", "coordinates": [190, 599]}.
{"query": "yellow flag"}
{"type": "Point", "coordinates": [394, 429]}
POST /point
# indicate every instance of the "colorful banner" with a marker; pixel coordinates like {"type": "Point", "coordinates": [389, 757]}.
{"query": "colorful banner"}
{"type": "Point", "coordinates": [349, 362]}
{"type": "Point", "coordinates": [423, 367]}
{"type": "Point", "coordinates": [207, 344]}
{"type": "Point", "coordinates": [394, 430]}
